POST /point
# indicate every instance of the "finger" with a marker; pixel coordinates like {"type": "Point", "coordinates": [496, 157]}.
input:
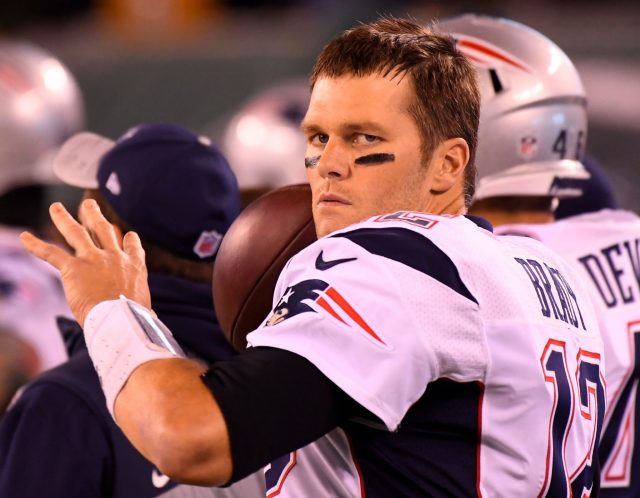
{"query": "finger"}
{"type": "Point", "coordinates": [100, 229]}
{"type": "Point", "coordinates": [83, 221]}
{"type": "Point", "coordinates": [74, 233]}
{"type": "Point", "coordinates": [132, 245]}
{"type": "Point", "coordinates": [50, 253]}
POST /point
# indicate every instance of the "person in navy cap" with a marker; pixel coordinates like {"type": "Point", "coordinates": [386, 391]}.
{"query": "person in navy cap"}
{"type": "Point", "coordinates": [177, 191]}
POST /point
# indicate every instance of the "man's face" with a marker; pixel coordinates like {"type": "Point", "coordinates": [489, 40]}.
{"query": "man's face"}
{"type": "Point", "coordinates": [363, 151]}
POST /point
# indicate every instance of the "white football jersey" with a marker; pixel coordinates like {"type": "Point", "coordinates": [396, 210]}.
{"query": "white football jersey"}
{"type": "Point", "coordinates": [605, 248]}
{"type": "Point", "coordinates": [31, 297]}
{"type": "Point", "coordinates": [477, 358]}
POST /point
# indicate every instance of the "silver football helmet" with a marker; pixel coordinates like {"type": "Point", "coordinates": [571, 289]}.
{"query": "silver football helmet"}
{"type": "Point", "coordinates": [263, 141]}
{"type": "Point", "coordinates": [40, 107]}
{"type": "Point", "coordinates": [533, 118]}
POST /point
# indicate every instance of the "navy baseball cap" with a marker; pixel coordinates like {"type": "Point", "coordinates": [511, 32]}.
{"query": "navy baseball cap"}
{"type": "Point", "coordinates": [168, 184]}
{"type": "Point", "coordinates": [597, 193]}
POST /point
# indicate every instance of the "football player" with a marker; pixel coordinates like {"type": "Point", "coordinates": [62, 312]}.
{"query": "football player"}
{"type": "Point", "coordinates": [532, 94]}
{"type": "Point", "coordinates": [417, 347]}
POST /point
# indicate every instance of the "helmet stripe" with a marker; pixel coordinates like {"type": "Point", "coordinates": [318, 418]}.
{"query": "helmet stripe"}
{"type": "Point", "coordinates": [484, 49]}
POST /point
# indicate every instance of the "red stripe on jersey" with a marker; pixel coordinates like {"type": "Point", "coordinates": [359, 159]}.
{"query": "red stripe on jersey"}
{"type": "Point", "coordinates": [588, 354]}
{"type": "Point", "coordinates": [327, 307]}
{"type": "Point", "coordinates": [353, 314]}
{"type": "Point", "coordinates": [492, 53]}
{"type": "Point", "coordinates": [356, 465]}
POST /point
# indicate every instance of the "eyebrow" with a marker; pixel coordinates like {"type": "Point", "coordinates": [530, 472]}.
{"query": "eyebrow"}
{"type": "Point", "coordinates": [309, 128]}
{"type": "Point", "coordinates": [368, 127]}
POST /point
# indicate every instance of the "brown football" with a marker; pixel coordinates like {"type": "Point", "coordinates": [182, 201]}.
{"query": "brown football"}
{"type": "Point", "coordinates": [253, 253]}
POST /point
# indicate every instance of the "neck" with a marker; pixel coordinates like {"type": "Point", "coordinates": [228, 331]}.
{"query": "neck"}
{"type": "Point", "coordinates": [451, 202]}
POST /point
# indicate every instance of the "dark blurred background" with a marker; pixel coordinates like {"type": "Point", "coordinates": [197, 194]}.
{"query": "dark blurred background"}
{"type": "Point", "coordinates": [196, 61]}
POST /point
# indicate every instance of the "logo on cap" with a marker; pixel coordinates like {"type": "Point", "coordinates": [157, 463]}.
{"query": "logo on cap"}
{"type": "Point", "coordinates": [208, 243]}
{"type": "Point", "coordinates": [113, 184]}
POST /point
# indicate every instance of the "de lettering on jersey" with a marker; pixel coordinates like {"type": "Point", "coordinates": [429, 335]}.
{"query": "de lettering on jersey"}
{"type": "Point", "coordinates": [612, 270]}
{"type": "Point", "coordinates": [554, 292]}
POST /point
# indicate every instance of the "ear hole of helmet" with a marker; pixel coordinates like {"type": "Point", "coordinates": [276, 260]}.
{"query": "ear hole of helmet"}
{"type": "Point", "coordinates": [495, 81]}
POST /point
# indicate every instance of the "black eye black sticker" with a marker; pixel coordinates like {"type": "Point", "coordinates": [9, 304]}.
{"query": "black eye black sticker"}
{"type": "Point", "coordinates": [311, 162]}
{"type": "Point", "coordinates": [378, 158]}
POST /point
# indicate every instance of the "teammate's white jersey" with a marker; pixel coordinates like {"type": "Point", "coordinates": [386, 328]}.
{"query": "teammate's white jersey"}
{"type": "Point", "coordinates": [478, 356]}
{"type": "Point", "coordinates": [31, 297]}
{"type": "Point", "coordinates": [605, 248]}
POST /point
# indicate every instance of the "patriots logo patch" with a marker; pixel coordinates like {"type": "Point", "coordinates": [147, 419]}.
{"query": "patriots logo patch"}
{"type": "Point", "coordinates": [317, 296]}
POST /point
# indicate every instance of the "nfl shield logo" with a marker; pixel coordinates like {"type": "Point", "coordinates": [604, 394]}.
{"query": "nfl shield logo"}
{"type": "Point", "coordinates": [528, 146]}
{"type": "Point", "coordinates": [207, 244]}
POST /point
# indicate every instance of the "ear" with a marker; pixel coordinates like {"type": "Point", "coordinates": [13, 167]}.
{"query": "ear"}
{"type": "Point", "coordinates": [449, 162]}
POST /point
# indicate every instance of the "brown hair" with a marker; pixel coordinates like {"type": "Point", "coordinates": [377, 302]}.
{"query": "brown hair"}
{"type": "Point", "coordinates": [447, 103]}
{"type": "Point", "coordinates": [158, 259]}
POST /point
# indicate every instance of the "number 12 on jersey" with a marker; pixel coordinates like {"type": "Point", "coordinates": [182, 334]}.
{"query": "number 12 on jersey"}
{"type": "Point", "coordinates": [584, 390]}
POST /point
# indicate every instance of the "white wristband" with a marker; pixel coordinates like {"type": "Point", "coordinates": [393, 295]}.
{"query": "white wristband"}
{"type": "Point", "coordinates": [121, 335]}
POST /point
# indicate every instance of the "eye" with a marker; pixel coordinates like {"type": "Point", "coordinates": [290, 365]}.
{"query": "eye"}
{"type": "Point", "coordinates": [319, 139]}
{"type": "Point", "coordinates": [364, 139]}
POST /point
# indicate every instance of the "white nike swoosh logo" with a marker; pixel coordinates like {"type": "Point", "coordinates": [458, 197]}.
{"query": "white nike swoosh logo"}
{"type": "Point", "coordinates": [159, 480]}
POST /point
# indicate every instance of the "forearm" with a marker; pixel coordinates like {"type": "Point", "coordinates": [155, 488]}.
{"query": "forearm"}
{"type": "Point", "coordinates": [170, 416]}
{"type": "Point", "coordinates": [274, 401]}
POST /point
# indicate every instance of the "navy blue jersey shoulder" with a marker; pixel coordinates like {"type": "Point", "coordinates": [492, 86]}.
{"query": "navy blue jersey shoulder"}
{"type": "Point", "coordinates": [411, 249]}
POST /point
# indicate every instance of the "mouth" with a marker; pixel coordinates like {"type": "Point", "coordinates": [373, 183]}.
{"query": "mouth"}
{"type": "Point", "coordinates": [327, 199]}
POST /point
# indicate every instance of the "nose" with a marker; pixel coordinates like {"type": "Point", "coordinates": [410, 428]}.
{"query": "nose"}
{"type": "Point", "coordinates": [334, 162]}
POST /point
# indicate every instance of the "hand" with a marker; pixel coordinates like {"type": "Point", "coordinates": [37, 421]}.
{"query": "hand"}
{"type": "Point", "coordinates": [103, 266]}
